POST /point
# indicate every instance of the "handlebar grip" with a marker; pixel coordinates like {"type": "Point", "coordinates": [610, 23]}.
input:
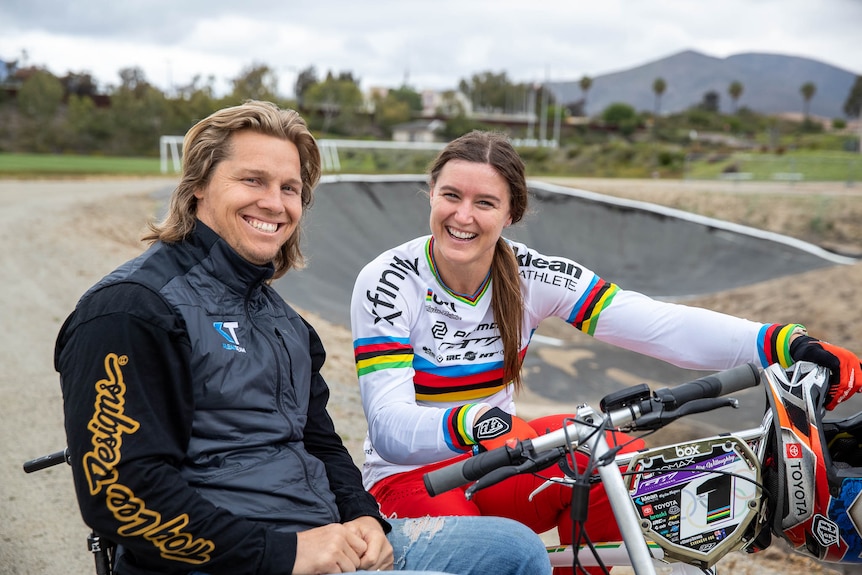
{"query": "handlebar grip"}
{"type": "Point", "coordinates": [466, 470]}
{"type": "Point", "coordinates": [715, 385]}
{"type": "Point", "coordinates": [50, 460]}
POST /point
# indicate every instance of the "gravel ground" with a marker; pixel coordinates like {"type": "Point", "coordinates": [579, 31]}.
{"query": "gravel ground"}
{"type": "Point", "coordinates": [61, 237]}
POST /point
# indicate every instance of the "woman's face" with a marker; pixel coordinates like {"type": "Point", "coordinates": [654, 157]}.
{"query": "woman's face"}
{"type": "Point", "coordinates": [469, 209]}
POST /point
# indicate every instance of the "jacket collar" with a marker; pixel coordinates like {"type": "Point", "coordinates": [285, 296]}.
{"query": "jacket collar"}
{"type": "Point", "coordinates": [224, 263]}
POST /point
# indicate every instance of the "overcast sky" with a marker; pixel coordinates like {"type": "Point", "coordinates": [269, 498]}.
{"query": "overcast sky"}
{"type": "Point", "coordinates": [431, 44]}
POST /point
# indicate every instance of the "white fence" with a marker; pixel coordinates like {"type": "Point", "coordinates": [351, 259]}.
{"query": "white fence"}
{"type": "Point", "coordinates": [170, 149]}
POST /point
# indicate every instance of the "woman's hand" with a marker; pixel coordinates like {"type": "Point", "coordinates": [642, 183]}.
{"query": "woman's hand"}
{"type": "Point", "coordinates": [844, 366]}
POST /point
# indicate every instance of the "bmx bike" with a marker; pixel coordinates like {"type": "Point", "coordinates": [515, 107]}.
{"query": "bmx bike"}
{"type": "Point", "coordinates": [681, 508]}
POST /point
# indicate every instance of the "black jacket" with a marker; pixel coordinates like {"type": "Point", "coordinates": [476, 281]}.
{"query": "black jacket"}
{"type": "Point", "coordinates": [196, 415]}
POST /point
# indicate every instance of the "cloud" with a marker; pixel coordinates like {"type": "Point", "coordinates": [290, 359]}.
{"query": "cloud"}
{"type": "Point", "coordinates": [432, 45]}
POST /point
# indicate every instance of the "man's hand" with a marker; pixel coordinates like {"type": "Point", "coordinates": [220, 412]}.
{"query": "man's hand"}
{"type": "Point", "coordinates": [844, 366]}
{"type": "Point", "coordinates": [495, 428]}
{"type": "Point", "coordinates": [333, 548]}
{"type": "Point", "coordinates": [378, 552]}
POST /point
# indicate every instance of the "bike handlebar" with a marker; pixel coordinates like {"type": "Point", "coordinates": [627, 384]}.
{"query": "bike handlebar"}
{"type": "Point", "coordinates": [531, 455]}
{"type": "Point", "coordinates": [715, 385]}
{"type": "Point", "coordinates": [49, 460]}
{"type": "Point", "coordinates": [467, 470]}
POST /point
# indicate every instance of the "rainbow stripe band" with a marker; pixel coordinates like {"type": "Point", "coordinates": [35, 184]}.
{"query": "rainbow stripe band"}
{"type": "Point", "coordinates": [456, 431]}
{"type": "Point", "coordinates": [595, 300]}
{"type": "Point", "coordinates": [376, 353]}
{"type": "Point", "coordinates": [774, 343]}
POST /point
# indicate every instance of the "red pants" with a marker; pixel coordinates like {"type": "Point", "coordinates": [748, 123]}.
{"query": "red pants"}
{"type": "Point", "coordinates": [404, 495]}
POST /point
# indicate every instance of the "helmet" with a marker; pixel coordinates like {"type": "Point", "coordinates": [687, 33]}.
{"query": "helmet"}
{"type": "Point", "coordinates": [812, 466]}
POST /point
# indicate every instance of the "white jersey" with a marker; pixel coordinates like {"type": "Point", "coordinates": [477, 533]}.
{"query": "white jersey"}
{"type": "Point", "coordinates": [429, 359]}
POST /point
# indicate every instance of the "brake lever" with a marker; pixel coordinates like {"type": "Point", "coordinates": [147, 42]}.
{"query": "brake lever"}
{"type": "Point", "coordinates": [532, 464]}
{"type": "Point", "coordinates": [565, 479]}
{"type": "Point", "coordinates": [661, 417]}
{"type": "Point", "coordinates": [492, 478]}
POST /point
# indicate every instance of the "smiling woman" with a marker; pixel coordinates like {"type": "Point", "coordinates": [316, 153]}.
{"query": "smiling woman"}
{"type": "Point", "coordinates": [441, 324]}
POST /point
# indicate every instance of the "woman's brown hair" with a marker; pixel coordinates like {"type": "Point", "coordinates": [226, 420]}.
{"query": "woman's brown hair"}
{"type": "Point", "coordinates": [507, 301]}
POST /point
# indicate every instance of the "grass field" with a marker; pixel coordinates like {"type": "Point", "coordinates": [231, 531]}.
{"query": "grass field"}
{"type": "Point", "coordinates": [41, 165]}
{"type": "Point", "coordinates": [792, 166]}
{"type": "Point", "coordinates": [789, 167]}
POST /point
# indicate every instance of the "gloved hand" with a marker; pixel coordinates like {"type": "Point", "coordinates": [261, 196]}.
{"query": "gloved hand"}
{"type": "Point", "coordinates": [844, 365]}
{"type": "Point", "coordinates": [495, 428]}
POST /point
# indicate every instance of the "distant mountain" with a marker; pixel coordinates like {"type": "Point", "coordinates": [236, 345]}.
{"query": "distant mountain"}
{"type": "Point", "coordinates": [771, 84]}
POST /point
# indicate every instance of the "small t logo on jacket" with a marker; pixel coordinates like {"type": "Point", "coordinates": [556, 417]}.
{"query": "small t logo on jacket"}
{"type": "Point", "coordinates": [227, 329]}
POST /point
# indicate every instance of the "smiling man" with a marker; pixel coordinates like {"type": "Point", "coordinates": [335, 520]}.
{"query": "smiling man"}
{"type": "Point", "coordinates": [195, 410]}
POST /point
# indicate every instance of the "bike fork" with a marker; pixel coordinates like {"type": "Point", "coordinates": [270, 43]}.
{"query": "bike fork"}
{"type": "Point", "coordinates": [624, 512]}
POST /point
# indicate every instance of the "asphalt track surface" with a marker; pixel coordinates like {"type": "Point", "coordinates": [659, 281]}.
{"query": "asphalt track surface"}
{"type": "Point", "coordinates": [664, 253]}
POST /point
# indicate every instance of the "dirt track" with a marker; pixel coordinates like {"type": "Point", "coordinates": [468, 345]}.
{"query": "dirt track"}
{"type": "Point", "coordinates": [62, 237]}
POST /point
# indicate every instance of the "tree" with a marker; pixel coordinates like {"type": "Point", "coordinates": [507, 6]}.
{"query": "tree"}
{"type": "Point", "coordinates": [80, 84]}
{"type": "Point", "coordinates": [658, 88]}
{"type": "Point", "coordinates": [622, 117]}
{"type": "Point", "coordinates": [807, 90]}
{"type": "Point", "coordinates": [304, 80]}
{"type": "Point", "coordinates": [396, 107]}
{"type": "Point", "coordinates": [194, 101]}
{"type": "Point", "coordinates": [488, 91]}
{"type": "Point", "coordinates": [39, 100]}
{"type": "Point", "coordinates": [87, 128]}
{"type": "Point", "coordinates": [853, 104]}
{"type": "Point", "coordinates": [409, 96]}
{"type": "Point", "coordinates": [137, 115]}
{"type": "Point", "coordinates": [337, 100]}
{"type": "Point", "coordinates": [735, 91]}
{"type": "Point", "coordinates": [133, 80]}
{"type": "Point", "coordinates": [256, 82]}
{"type": "Point", "coordinates": [40, 96]}
{"type": "Point", "coordinates": [586, 83]}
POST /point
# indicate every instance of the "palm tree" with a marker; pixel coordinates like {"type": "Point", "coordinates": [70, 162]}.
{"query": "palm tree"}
{"type": "Point", "coordinates": [658, 87]}
{"type": "Point", "coordinates": [735, 91]}
{"type": "Point", "coordinates": [586, 83]}
{"type": "Point", "coordinates": [808, 89]}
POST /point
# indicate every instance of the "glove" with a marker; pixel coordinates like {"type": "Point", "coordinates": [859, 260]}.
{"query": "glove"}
{"type": "Point", "coordinates": [496, 428]}
{"type": "Point", "coordinates": [845, 377]}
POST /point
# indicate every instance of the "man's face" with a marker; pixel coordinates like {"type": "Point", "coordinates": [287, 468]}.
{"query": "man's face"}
{"type": "Point", "coordinates": [254, 198]}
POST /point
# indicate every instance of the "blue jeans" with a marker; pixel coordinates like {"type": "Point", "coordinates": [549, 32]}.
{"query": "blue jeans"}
{"type": "Point", "coordinates": [467, 546]}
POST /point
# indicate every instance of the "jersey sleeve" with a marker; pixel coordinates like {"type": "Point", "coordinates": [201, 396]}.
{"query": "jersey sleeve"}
{"type": "Point", "coordinates": [691, 337]}
{"type": "Point", "coordinates": [401, 430]}
{"type": "Point", "coordinates": [686, 336]}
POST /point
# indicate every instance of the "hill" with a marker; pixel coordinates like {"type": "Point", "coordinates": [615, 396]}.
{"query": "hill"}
{"type": "Point", "coordinates": [771, 84]}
